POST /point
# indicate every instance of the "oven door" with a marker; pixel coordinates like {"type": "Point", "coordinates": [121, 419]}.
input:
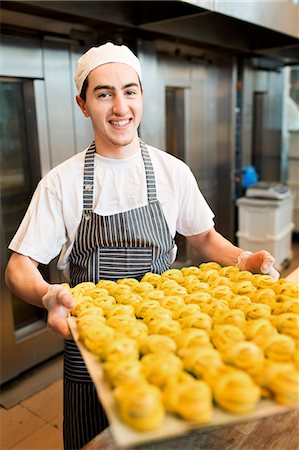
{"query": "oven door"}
{"type": "Point", "coordinates": [25, 340]}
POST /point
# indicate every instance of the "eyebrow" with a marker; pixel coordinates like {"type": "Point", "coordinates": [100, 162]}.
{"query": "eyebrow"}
{"type": "Point", "coordinates": [112, 88]}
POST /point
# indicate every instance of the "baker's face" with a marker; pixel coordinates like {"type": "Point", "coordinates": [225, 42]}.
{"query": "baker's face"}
{"type": "Point", "coordinates": [114, 104]}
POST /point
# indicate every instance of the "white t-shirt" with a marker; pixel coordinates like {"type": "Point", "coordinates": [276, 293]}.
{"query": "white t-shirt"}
{"type": "Point", "coordinates": [50, 223]}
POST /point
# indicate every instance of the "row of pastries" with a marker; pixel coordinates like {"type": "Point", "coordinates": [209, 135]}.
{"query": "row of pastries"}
{"type": "Point", "coordinates": [191, 338]}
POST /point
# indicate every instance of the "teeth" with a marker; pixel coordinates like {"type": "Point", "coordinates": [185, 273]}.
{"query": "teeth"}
{"type": "Point", "coordinates": [120, 123]}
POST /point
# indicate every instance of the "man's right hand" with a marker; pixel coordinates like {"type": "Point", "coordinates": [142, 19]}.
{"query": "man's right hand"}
{"type": "Point", "coordinates": [59, 302]}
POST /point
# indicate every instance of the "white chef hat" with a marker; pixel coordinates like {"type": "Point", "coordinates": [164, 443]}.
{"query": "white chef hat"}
{"type": "Point", "coordinates": [106, 53]}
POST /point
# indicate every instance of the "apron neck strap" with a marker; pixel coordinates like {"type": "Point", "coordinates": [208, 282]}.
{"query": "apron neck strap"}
{"type": "Point", "coordinates": [88, 176]}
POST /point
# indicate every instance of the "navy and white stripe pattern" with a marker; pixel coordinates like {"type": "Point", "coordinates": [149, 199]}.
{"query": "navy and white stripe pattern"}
{"type": "Point", "coordinates": [122, 245]}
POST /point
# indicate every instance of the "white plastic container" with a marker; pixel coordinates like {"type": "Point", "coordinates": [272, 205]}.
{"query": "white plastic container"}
{"type": "Point", "coordinates": [264, 218]}
{"type": "Point", "coordinates": [266, 225]}
{"type": "Point", "coordinates": [280, 246]}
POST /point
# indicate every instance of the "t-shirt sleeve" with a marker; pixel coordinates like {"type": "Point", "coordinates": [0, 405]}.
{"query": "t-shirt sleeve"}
{"type": "Point", "coordinates": [41, 233]}
{"type": "Point", "coordinates": [194, 214]}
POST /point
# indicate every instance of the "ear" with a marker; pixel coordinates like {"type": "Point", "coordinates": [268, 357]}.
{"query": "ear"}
{"type": "Point", "coordinates": [82, 105]}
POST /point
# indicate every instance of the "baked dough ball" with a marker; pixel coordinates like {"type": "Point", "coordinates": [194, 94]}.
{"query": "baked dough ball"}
{"type": "Point", "coordinates": [121, 347]}
{"type": "Point", "coordinates": [152, 278]}
{"type": "Point", "coordinates": [198, 320]}
{"type": "Point", "coordinates": [236, 392]}
{"type": "Point", "coordinates": [200, 360]}
{"type": "Point", "coordinates": [285, 387]}
{"type": "Point", "coordinates": [264, 295]}
{"type": "Point", "coordinates": [156, 294]}
{"type": "Point", "coordinates": [215, 305]}
{"type": "Point", "coordinates": [191, 270]}
{"type": "Point", "coordinates": [209, 265]}
{"type": "Point", "coordinates": [105, 302]}
{"type": "Point", "coordinates": [244, 355]}
{"type": "Point", "coordinates": [87, 323]}
{"type": "Point", "coordinates": [198, 298]}
{"type": "Point", "coordinates": [121, 321]}
{"type": "Point", "coordinates": [129, 299]}
{"type": "Point", "coordinates": [256, 311]}
{"type": "Point", "coordinates": [173, 274]}
{"type": "Point", "coordinates": [225, 335]}
{"type": "Point", "coordinates": [230, 317]}
{"type": "Point", "coordinates": [221, 292]}
{"type": "Point", "coordinates": [92, 311]}
{"type": "Point", "coordinates": [158, 367]}
{"type": "Point", "coordinates": [142, 288]}
{"type": "Point", "coordinates": [137, 330]}
{"type": "Point", "coordinates": [290, 306]}
{"type": "Point", "coordinates": [167, 327]}
{"type": "Point", "coordinates": [258, 330]}
{"type": "Point", "coordinates": [140, 405]}
{"type": "Point", "coordinates": [241, 275]}
{"type": "Point", "coordinates": [128, 281]}
{"type": "Point", "coordinates": [279, 347]}
{"type": "Point", "coordinates": [192, 337]}
{"type": "Point", "coordinates": [262, 281]}
{"type": "Point", "coordinates": [143, 307]}
{"type": "Point", "coordinates": [191, 400]}
{"type": "Point", "coordinates": [172, 302]}
{"type": "Point", "coordinates": [106, 284]}
{"type": "Point", "coordinates": [117, 372]}
{"type": "Point", "coordinates": [228, 271]}
{"type": "Point", "coordinates": [157, 313]}
{"type": "Point", "coordinates": [155, 343]}
{"type": "Point", "coordinates": [120, 310]}
{"type": "Point", "coordinates": [97, 338]}
{"type": "Point", "coordinates": [237, 301]}
{"type": "Point", "coordinates": [287, 323]}
{"type": "Point", "coordinates": [244, 287]}
{"type": "Point", "coordinates": [185, 310]}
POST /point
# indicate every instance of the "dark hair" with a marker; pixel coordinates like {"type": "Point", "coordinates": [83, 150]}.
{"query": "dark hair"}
{"type": "Point", "coordinates": [84, 89]}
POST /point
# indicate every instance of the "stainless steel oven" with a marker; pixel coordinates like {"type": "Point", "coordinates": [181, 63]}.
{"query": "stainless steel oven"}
{"type": "Point", "coordinates": [25, 340]}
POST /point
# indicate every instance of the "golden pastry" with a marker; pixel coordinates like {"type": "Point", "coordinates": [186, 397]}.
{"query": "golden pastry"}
{"type": "Point", "coordinates": [236, 392]}
{"type": "Point", "coordinates": [81, 306]}
{"type": "Point", "coordinates": [256, 311]}
{"type": "Point", "coordinates": [119, 289]}
{"type": "Point", "coordinates": [171, 287]}
{"type": "Point", "coordinates": [143, 307]}
{"type": "Point", "coordinates": [200, 360]}
{"type": "Point", "coordinates": [173, 274]}
{"type": "Point", "coordinates": [96, 339]}
{"type": "Point", "coordinates": [156, 294]}
{"type": "Point", "coordinates": [244, 355]}
{"type": "Point", "coordinates": [191, 400]}
{"type": "Point", "coordinates": [237, 301]}
{"type": "Point", "coordinates": [221, 292]}
{"type": "Point", "coordinates": [285, 386]}
{"type": "Point", "coordinates": [120, 321]}
{"type": "Point", "coordinates": [197, 320]}
{"type": "Point", "coordinates": [198, 298]}
{"type": "Point", "coordinates": [210, 265]}
{"type": "Point", "coordinates": [129, 299]}
{"type": "Point", "coordinates": [230, 317]}
{"type": "Point", "coordinates": [287, 323]}
{"type": "Point", "coordinates": [244, 287]}
{"type": "Point", "coordinates": [158, 367]}
{"type": "Point", "coordinates": [191, 270]}
{"type": "Point", "coordinates": [258, 330]}
{"type": "Point", "coordinates": [143, 288]}
{"type": "Point", "coordinates": [128, 281]}
{"type": "Point", "coordinates": [172, 302]}
{"type": "Point", "coordinates": [92, 311]}
{"type": "Point", "coordinates": [152, 278]}
{"type": "Point", "coordinates": [264, 295]}
{"type": "Point", "coordinates": [241, 275]}
{"type": "Point", "coordinates": [97, 292]}
{"type": "Point", "coordinates": [262, 281]}
{"type": "Point", "coordinates": [140, 405]}
{"type": "Point", "coordinates": [215, 305]}
{"type": "Point", "coordinates": [87, 323]}
{"type": "Point", "coordinates": [106, 284]}
{"type": "Point", "coordinates": [228, 271]}
{"type": "Point", "coordinates": [192, 337]}
{"type": "Point", "coordinates": [116, 372]}
{"type": "Point", "coordinates": [279, 347]}
{"type": "Point", "coordinates": [291, 306]}
{"type": "Point", "coordinates": [154, 343]}
{"type": "Point", "coordinates": [185, 310]}
{"type": "Point", "coordinates": [120, 310]}
{"type": "Point", "coordinates": [208, 274]}
{"type": "Point", "coordinates": [136, 330]}
{"type": "Point", "coordinates": [167, 327]}
{"type": "Point", "coordinates": [223, 336]}
{"type": "Point", "coordinates": [121, 347]}
{"type": "Point", "coordinates": [156, 313]}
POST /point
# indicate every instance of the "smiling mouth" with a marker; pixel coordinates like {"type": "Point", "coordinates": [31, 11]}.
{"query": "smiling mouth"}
{"type": "Point", "coordinates": [120, 123]}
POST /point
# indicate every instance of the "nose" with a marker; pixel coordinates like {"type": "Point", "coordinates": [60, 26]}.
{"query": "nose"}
{"type": "Point", "coordinates": [120, 105]}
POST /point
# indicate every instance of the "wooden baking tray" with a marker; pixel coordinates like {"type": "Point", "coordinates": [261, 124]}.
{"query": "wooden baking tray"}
{"type": "Point", "coordinates": [172, 426]}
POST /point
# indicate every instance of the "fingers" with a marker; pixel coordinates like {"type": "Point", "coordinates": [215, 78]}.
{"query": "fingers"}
{"type": "Point", "coordinates": [65, 298]}
{"type": "Point", "coordinates": [57, 321]}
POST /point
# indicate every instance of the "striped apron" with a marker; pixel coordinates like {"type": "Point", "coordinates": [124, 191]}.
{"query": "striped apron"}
{"type": "Point", "coordinates": [123, 245]}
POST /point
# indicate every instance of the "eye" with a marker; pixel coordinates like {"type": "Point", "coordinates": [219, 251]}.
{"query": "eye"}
{"type": "Point", "coordinates": [130, 92]}
{"type": "Point", "coordinates": [103, 95]}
